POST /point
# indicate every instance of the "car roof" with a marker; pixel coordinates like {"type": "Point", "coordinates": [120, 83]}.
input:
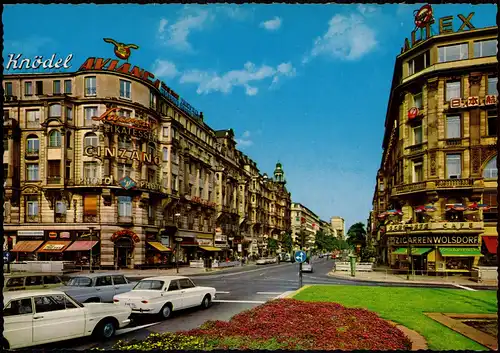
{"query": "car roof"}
{"type": "Point", "coordinates": [24, 274]}
{"type": "Point", "coordinates": [29, 293]}
{"type": "Point", "coordinates": [94, 275]}
{"type": "Point", "coordinates": [163, 278]}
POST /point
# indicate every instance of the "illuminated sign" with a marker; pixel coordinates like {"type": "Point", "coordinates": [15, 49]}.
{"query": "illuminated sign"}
{"type": "Point", "coordinates": [38, 62]}
{"type": "Point", "coordinates": [423, 21]}
{"type": "Point", "coordinates": [202, 202]}
{"type": "Point", "coordinates": [413, 113]}
{"type": "Point", "coordinates": [105, 152]}
{"type": "Point", "coordinates": [123, 121]}
{"type": "Point", "coordinates": [473, 101]}
{"type": "Point", "coordinates": [429, 239]}
{"type": "Point", "coordinates": [97, 64]}
{"type": "Point", "coordinates": [122, 51]}
{"type": "Point", "coordinates": [127, 183]}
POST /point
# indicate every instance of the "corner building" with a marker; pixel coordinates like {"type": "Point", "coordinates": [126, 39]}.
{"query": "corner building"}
{"type": "Point", "coordinates": [106, 152]}
{"type": "Point", "coordinates": [437, 182]}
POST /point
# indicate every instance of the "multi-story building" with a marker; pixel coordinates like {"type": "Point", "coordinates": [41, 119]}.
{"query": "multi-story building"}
{"type": "Point", "coordinates": [437, 184]}
{"type": "Point", "coordinates": [338, 225]}
{"type": "Point", "coordinates": [303, 219]}
{"type": "Point", "coordinates": [112, 153]}
{"type": "Point", "coordinates": [327, 228]}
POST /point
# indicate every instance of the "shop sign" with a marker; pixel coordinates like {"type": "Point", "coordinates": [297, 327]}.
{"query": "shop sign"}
{"type": "Point", "coordinates": [64, 235]}
{"type": "Point", "coordinates": [202, 202]}
{"type": "Point", "coordinates": [149, 186]}
{"type": "Point", "coordinates": [424, 19]}
{"type": "Point", "coordinates": [179, 239]}
{"type": "Point", "coordinates": [206, 242]}
{"type": "Point", "coordinates": [30, 233]}
{"type": "Point", "coordinates": [436, 226]}
{"type": "Point", "coordinates": [222, 246]}
{"type": "Point", "coordinates": [240, 247]}
{"type": "Point", "coordinates": [127, 183]}
{"type": "Point", "coordinates": [473, 101]}
{"type": "Point", "coordinates": [165, 241]}
{"type": "Point", "coordinates": [96, 181]}
{"type": "Point", "coordinates": [125, 233]}
{"type": "Point", "coordinates": [413, 113]}
{"type": "Point", "coordinates": [131, 155]}
{"type": "Point", "coordinates": [436, 240]}
{"type": "Point", "coordinates": [54, 247]}
{"type": "Point", "coordinates": [52, 235]}
{"type": "Point", "coordinates": [222, 238]}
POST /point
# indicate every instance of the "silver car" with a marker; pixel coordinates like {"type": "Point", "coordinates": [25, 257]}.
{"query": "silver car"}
{"type": "Point", "coordinates": [307, 267]}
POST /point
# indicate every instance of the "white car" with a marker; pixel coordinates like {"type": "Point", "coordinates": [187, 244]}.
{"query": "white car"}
{"type": "Point", "coordinates": [162, 295]}
{"type": "Point", "coordinates": [44, 316]}
{"type": "Point", "coordinates": [307, 267]}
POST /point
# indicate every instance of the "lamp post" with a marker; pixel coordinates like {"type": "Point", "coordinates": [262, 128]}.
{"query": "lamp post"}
{"type": "Point", "coordinates": [408, 228]}
{"type": "Point", "coordinates": [91, 229]}
{"type": "Point", "coordinates": [178, 245]}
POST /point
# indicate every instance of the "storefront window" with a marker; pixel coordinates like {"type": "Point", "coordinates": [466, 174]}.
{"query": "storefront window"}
{"type": "Point", "coordinates": [458, 263]}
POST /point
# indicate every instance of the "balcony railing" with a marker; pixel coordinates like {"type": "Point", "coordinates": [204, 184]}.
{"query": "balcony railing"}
{"type": "Point", "coordinates": [454, 183]}
{"type": "Point", "coordinates": [402, 189]}
{"type": "Point", "coordinates": [54, 180]}
{"type": "Point", "coordinates": [89, 218]}
{"type": "Point", "coordinates": [439, 184]}
{"type": "Point", "coordinates": [32, 218]}
{"type": "Point", "coordinates": [60, 218]}
{"type": "Point", "coordinates": [454, 142]}
{"type": "Point", "coordinates": [125, 219]}
{"type": "Point", "coordinates": [416, 148]}
{"type": "Point", "coordinates": [32, 153]}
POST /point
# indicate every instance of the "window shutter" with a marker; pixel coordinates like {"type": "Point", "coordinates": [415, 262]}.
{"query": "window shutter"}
{"type": "Point", "coordinates": [90, 205]}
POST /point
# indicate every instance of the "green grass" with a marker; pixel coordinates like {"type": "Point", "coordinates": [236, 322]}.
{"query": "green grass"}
{"type": "Point", "coordinates": [407, 305]}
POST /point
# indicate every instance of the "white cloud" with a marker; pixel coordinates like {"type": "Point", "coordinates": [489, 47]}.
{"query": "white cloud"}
{"type": "Point", "coordinates": [244, 141]}
{"type": "Point", "coordinates": [30, 46]}
{"type": "Point", "coordinates": [234, 12]}
{"type": "Point", "coordinates": [272, 25]}
{"type": "Point", "coordinates": [211, 81]}
{"type": "Point", "coordinates": [347, 38]}
{"type": "Point", "coordinates": [366, 10]}
{"type": "Point", "coordinates": [163, 24]}
{"type": "Point", "coordinates": [164, 68]}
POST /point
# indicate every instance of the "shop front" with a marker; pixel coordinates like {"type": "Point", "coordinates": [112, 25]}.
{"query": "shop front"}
{"type": "Point", "coordinates": [125, 242]}
{"type": "Point", "coordinates": [489, 246]}
{"type": "Point", "coordinates": [28, 241]}
{"type": "Point", "coordinates": [186, 247]}
{"type": "Point", "coordinates": [221, 243]}
{"type": "Point", "coordinates": [158, 254]}
{"type": "Point", "coordinates": [53, 250]}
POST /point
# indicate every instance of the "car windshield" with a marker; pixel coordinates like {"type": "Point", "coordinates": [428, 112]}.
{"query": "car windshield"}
{"type": "Point", "coordinates": [76, 301]}
{"type": "Point", "coordinates": [149, 285]}
{"type": "Point", "coordinates": [79, 282]}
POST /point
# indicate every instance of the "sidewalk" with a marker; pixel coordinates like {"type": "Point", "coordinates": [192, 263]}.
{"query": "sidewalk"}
{"type": "Point", "coordinates": [383, 276]}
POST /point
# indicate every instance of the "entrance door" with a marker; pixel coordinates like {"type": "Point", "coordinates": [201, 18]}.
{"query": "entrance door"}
{"type": "Point", "coordinates": [123, 249]}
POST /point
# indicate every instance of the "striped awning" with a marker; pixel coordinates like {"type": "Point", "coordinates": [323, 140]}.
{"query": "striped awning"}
{"type": "Point", "coordinates": [82, 245]}
{"type": "Point", "coordinates": [159, 246]}
{"type": "Point", "coordinates": [210, 248]}
{"type": "Point", "coordinates": [27, 245]}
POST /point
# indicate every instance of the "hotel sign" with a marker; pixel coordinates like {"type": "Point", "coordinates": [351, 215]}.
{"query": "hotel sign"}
{"type": "Point", "coordinates": [444, 226]}
{"type": "Point", "coordinates": [122, 125]}
{"type": "Point", "coordinates": [473, 101]}
{"type": "Point", "coordinates": [435, 240]}
{"type": "Point", "coordinates": [122, 153]}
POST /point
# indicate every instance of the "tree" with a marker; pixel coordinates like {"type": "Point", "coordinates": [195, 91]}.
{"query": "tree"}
{"type": "Point", "coordinates": [286, 242]}
{"type": "Point", "coordinates": [272, 245]}
{"type": "Point", "coordinates": [301, 239]}
{"type": "Point", "coordinates": [357, 234]}
{"type": "Point", "coordinates": [320, 240]}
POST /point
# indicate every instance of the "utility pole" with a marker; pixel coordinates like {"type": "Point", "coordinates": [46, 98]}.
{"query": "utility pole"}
{"type": "Point", "coordinates": [90, 260]}
{"type": "Point", "coordinates": [408, 250]}
{"type": "Point", "coordinates": [302, 236]}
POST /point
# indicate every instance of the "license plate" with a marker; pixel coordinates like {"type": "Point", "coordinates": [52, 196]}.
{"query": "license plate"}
{"type": "Point", "coordinates": [132, 305]}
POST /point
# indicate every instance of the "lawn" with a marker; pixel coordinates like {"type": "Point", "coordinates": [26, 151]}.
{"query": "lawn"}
{"type": "Point", "coordinates": [407, 305]}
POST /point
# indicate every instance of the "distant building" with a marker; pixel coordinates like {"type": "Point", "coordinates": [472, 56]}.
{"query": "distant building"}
{"type": "Point", "coordinates": [338, 225]}
{"type": "Point", "coordinates": [304, 219]}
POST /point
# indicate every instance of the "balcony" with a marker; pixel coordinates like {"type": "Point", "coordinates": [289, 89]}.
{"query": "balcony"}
{"type": "Point", "coordinates": [432, 185]}
{"type": "Point", "coordinates": [408, 188]}
{"type": "Point", "coordinates": [453, 142]}
{"type": "Point", "coordinates": [416, 148]}
{"type": "Point", "coordinates": [60, 218]}
{"type": "Point", "coordinates": [54, 180]}
{"type": "Point", "coordinates": [32, 154]}
{"type": "Point", "coordinates": [454, 183]}
{"type": "Point", "coordinates": [32, 218]}
{"type": "Point", "coordinates": [33, 124]}
{"type": "Point", "coordinates": [89, 218]}
{"type": "Point", "coordinates": [125, 219]}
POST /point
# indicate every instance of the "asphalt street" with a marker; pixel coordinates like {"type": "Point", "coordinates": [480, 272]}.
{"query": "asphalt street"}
{"type": "Point", "coordinates": [236, 292]}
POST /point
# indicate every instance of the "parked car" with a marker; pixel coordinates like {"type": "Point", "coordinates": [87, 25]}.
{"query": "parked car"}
{"type": "Point", "coordinates": [30, 281]}
{"type": "Point", "coordinates": [45, 316]}
{"type": "Point", "coordinates": [97, 287]}
{"type": "Point", "coordinates": [307, 267]}
{"type": "Point", "coordinates": [162, 295]}
{"type": "Point", "coordinates": [267, 260]}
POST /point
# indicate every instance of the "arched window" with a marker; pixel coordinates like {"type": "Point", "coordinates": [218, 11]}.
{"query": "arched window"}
{"type": "Point", "coordinates": [124, 141]}
{"type": "Point", "coordinates": [491, 171]}
{"type": "Point", "coordinates": [32, 144]}
{"type": "Point", "coordinates": [165, 154]}
{"type": "Point", "coordinates": [55, 111]}
{"type": "Point", "coordinates": [55, 138]}
{"type": "Point", "coordinates": [91, 139]}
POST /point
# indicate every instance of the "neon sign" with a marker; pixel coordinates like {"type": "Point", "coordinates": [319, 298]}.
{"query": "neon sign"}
{"type": "Point", "coordinates": [122, 51]}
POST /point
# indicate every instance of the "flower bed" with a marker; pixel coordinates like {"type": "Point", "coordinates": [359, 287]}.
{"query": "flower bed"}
{"type": "Point", "coordinates": [286, 324]}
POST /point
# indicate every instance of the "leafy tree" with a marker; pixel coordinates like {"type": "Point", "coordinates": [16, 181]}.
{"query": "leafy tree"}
{"type": "Point", "coordinates": [286, 242]}
{"type": "Point", "coordinates": [320, 240]}
{"type": "Point", "coordinates": [272, 245]}
{"type": "Point", "coordinates": [301, 239]}
{"type": "Point", "coordinates": [357, 234]}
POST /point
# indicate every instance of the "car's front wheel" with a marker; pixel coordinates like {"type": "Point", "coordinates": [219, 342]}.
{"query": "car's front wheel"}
{"type": "Point", "coordinates": [207, 300]}
{"type": "Point", "coordinates": [105, 329]}
{"type": "Point", "coordinates": [166, 311]}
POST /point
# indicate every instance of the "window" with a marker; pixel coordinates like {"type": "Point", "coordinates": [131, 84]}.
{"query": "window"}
{"type": "Point", "coordinates": [69, 113]}
{"type": "Point", "coordinates": [5, 171]}
{"type": "Point", "coordinates": [28, 88]}
{"type": "Point", "coordinates": [90, 205]}
{"type": "Point", "coordinates": [55, 138]}
{"type": "Point", "coordinates": [18, 307]}
{"type": "Point", "coordinates": [33, 118]}
{"type": "Point", "coordinates": [32, 205]}
{"type": "Point", "coordinates": [124, 170]}
{"type": "Point", "coordinates": [33, 281]}
{"type": "Point", "coordinates": [490, 170]}
{"type": "Point", "coordinates": [124, 206]}
{"type": "Point", "coordinates": [174, 182]}
{"type": "Point", "coordinates": [79, 282]}
{"type": "Point", "coordinates": [32, 144]}
{"type": "Point", "coordinates": [147, 284]}
{"type": "Point", "coordinates": [453, 127]}
{"type": "Point", "coordinates": [54, 170]}
{"type": "Point", "coordinates": [151, 149]}
{"type": "Point", "coordinates": [15, 282]}
{"type": "Point", "coordinates": [125, 113]}
{"type": "Point", "coordinates": [117, 280]}
{"type": "Point", "coordinates": [174, 285]}
{"type": "Point", "coordinates": [453, 166]}
{"type": "Point", "coordinates": [90, 86]}
{"type": "Point", "coordinates": [89, 113]}
{"type": "Point", "coordinates": [165, 131]}
{"type": "Point", "coordinates": [67, 86]}
{"type": "Point", "coordinates": [125, 87]}
{"type": "Point", "coordinates": [419, 63]}
{"type": "Point", "coordinates": [186, 283]}
{"type": "Point", "coordinates": [151, 175]}
{"type": "Point", "coordinates": [50, 303]}
{"type": "Point", "coordinates": [60, 208]}
{"type": "Point", "coordinates": [103, 281]}
{"type": "Point", "coordinates": [91, 139]}
{"type": "Point", "coordinates": [39, 88]}
{"type": "Point", "coordinates": [124, 141]}
{"type": "Point", "coordinates": [68, 170]}
{"type": "Point", "coordinates": [165, 154]}
{"type": "Point", "coordinates": [490, 199]}
{"type": "Point", "coordinates": [32, 172]}
{"type": "Point", "coordinates": [417, 134]}
{"type": "Point", "coordinates": [492, 85]}
{"type": "Point", "coordinates": [8, 88]}
{"type": "Point", "coordinates": [453, 52]}
{"type": "Point", "coordinates": [51, 280]}
{"type": "Point", "coordinates": [90, 170]}
{"type": "Point", "coordinates": [492, 122]}
{"type": "Point", "coordinates": [485, 48]}
{"type": "Point", "coordinates": [417, 100]}
{"type": "Point", "coordinates": [151, 211]}
{"type": "Point", "coordinates": [56, 87]}
{"type": "Point", "coordinates": [453, 90]}
{"type": "Point", "coordinates": [152, 100]}
{"type": "Point", "coordinates": [55, 111]}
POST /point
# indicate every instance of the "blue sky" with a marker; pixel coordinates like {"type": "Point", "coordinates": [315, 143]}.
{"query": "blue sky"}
{"type": "Point", "coordinates": [307, 85]}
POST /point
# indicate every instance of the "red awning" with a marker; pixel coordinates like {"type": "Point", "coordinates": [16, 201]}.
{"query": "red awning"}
{"type": "Point", "coordinates": [491, 244]}
{"type": "Point", "coordinates": [82, 245]}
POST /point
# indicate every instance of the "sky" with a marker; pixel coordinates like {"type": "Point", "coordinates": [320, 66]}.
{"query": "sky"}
{"type": "Point", "coordinates": [306, 85]}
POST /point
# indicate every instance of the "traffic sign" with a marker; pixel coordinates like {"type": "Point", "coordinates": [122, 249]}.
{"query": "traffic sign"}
{"type": "Point", "coordinates": [300, 256]}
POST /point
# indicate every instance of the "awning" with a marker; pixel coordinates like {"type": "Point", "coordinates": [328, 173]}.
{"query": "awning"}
{"type": "Point", "coordinates": [491, 244]}
{"type": "Point", "coordinates": [204, 236]}
{"type": "Point", "coordinates": [414, 251]}
{"type": "Point", "coordinates": [27, 245]}
{"type": "Point", "coordinates": [54, 246]}
{"type": "Point", "coordinates": [210, 248]}
{"type": "Point", "coordinates": [159, 246]}
{"type": "Point", "coordinates": [82, 245]}
{"type": "Point", "coordinates": [451, 252]}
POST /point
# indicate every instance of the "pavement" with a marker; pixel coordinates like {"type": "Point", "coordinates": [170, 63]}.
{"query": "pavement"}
{"type": "Point", "coordinates": [238, 289]}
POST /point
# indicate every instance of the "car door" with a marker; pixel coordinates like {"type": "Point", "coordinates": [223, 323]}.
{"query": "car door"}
{"type": "Point", "coordinates": [18, 322]}
{"type": "Point", "coordinates": [190, 295]}
{"type": "Point", "coordinates": [174, 295]}
{"type": "Point", "coordinates": [104, 288]}
{"type": "Point", "coordinates": [51, 281]}
{"type": "Point", "coordinates": [34, 282]}
{"type": "Point", "coordinates": [56, 319]}
{"type": "Point", "coordinates": [120, 284]}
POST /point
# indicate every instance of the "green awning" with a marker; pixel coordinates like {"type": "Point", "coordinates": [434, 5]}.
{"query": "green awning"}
{"type": "Point", "coordinates": [460, 252]}
{"type": "Point", "coordinates": [414, 251]}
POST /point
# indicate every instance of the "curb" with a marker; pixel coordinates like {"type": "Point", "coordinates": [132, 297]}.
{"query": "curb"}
{"type": "Point", "coordinates": [294, 293]}
{"type": "Point", "coordinates": [418, 342]}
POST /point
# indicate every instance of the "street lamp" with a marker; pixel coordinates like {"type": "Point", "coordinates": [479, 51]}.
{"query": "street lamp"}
{"type": "Point", "coordinates": [408, 228]}
{"type": "Point", "coordinates": [178, 245]}
{"type": "Point", "coordinates": [90, 260]}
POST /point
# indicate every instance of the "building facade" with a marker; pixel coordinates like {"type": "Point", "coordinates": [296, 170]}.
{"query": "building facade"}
{"type": "Point", "coordinates": [105, 159]}
{"type": "Point", "coordinates": [338, 225]}
{"type": "Point", "coordinates": [436, 189]}
{"type": "Point", "coordinates": [303, 219]}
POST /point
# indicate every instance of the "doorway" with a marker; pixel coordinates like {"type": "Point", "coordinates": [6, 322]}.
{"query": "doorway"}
{"type": "Point", "coordinates": [124, 248]}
